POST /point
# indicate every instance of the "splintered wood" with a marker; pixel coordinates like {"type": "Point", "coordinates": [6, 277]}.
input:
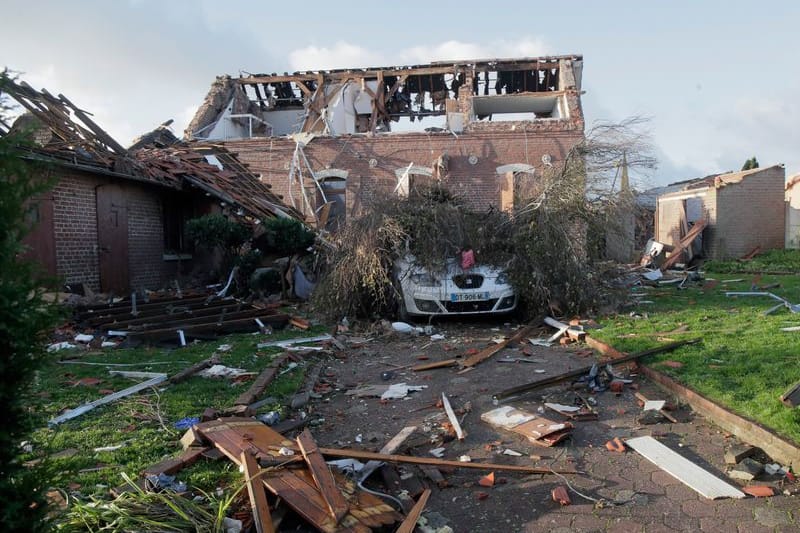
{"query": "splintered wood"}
{"type": "Point", "coordinates": [535, 428]}
{"type": "Point", "coordinates": [316, 499]}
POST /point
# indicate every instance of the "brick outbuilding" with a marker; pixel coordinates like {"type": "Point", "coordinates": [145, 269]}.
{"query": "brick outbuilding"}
{"type": "Point", "coordinates": [743, 211]}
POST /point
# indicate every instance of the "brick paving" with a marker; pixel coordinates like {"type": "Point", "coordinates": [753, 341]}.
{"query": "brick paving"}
{"type": "Point", "coordinates": [636, 495]}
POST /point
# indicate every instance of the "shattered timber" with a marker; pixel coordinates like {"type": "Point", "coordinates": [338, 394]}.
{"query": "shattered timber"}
{"type": "Point", "coordinates": [347, 425]}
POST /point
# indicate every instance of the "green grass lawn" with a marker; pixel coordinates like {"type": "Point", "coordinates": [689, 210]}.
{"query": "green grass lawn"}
{"type": "Point", "coordinates": [143, 423]}
{"type": "Point", "coordinates": [745, 361]}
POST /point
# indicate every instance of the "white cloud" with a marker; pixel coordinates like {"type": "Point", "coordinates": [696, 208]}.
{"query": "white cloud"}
{"type": "Point", "coordinates": [457, 50]}
{"type": "Point", "coordinates": [340, 55]}
{"type": "Point", "coordinates": [344, 54]}
{"type": "Point", "coordinates": [764, 126]}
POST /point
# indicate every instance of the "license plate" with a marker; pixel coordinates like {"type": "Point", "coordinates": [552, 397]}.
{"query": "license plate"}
{"type": "Point", "coordinates": [469, 296]}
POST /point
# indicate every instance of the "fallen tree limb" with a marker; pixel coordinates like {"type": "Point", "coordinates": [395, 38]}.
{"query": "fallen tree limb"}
{"type": "Point", "coordinates": [530, 387]}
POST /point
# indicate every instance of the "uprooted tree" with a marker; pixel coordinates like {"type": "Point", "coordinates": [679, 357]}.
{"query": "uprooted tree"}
{"type": "Point", "coordinates": [551, 243]}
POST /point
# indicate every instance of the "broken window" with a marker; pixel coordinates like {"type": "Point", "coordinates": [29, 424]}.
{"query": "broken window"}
{"type": "Point", "coordinates": [332, 209]}
{"type": "Point", "coordinates": [176, 209]}
{"type": "Point", "coordinates": [526, 106]}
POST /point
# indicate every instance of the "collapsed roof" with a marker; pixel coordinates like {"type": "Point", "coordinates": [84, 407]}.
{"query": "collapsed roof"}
{"type": "Point", "coordinates": [66, 135]}
{"type": "Point", "coordinates": [368, 100]}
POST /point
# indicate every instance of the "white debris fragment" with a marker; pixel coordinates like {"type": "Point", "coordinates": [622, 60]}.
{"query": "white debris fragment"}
{"type": "Point", "coordinates": [653, 275]}
{"type": "Point", "coordinates": [221, 371]}
{"type": "Point", "coordinates": [224, 348]}
{"type": "Point", "coordinates": [437, 452]}
{"type": "Point", "coordinates": [437, 337]}
{"type": "Point", "coordinates": [81, 337]}
{"type": "Point", "coordinates": [403, 327]}
{"type": "Point", "coordinates": [60, 346]}
{"type": "Point", "coordinates": [400, 390]}
{"type": "Point", "coordinates": [286, 451]}
{"type": "Point", "coordinates": [512, 453]}
{"type": "Point", "coordinates": [347, 465]}
{"type": "Point", "coordinates": [465, 459]}
{"type": "Point", "coordinates": [108, 344]}
{"type": "Point", "coordinates": [109, 448]}
{"type": "Point", "coordinates": [563, 408]}
{"type": "Point", "coordinates": [654, 405]}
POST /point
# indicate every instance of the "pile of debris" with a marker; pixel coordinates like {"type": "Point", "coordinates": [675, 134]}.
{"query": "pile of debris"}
{"type": "Point", "coordinates": [176, 317]}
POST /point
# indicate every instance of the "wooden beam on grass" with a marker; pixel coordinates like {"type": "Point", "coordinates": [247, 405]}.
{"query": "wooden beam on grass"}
{"type": "Point", "coordinates": [194, 369]}
{"type": "Point", "coordinates": [261, 383]}
{"type": "Point", "coordinates": [258, 497]}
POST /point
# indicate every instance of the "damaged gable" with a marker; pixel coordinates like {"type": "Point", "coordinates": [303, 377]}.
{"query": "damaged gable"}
{"type": "Point", "coordinates": [743, 211]}
{"type": "Point", "coordinates": [457, 95]}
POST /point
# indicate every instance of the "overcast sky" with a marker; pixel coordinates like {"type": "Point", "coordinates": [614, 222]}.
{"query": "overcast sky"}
{"type": "Point", "coordinates": [720, 79]}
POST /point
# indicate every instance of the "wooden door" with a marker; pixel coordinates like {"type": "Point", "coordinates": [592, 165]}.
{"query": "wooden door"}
{"type": "Point", "coordinates": [40, 238]}
{"type": "Point", "coordinates": [112, 238]}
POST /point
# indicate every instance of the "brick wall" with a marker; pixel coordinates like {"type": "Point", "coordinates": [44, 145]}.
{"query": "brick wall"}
{"type": "Point", "coordinates": [741, 214]}
{"type": "Point", "coordinates": [75, 230]}
{"type": "Point", "coordinates": [75, 227]}
{"type": "Point", "coordinates": [376, 158]}
{"type": "Point", "coordinates": [146, 265]}
{"type": "Point", "coordinates": [751, 213]}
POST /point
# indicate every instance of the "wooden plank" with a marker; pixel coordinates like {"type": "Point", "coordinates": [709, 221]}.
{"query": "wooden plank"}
{"type": "Point", "coordinates": [336, 503]}
{"type": "Point", "coordinates": [451, 415]}
{"type": "Point", "coordinates": [683, 470]}
{"type": "Point", "coordinates": [213, 326]}
{"type": "Point", "coordinates": [180, 320]}
{"type": "Point", "coordinates": [779, 449]}
{"type": "Point", "coordinates": [530, 387]}
{"type": "Point", "coordinates": [435, 364]}
{"type": "Point", "coordinates": [258, 498]}
{"type": "Point", "coordinates": [261, 383]}
{"type": "Point", "coordinates": [170, 466]}
{"type": "Point", "coordinates": [486, 353]}
{"type": "Point", "coordinates": [194, 369]}
{"type": "Point", "coordinates": [390, 447]}
{"type": "Point", "coordinates": [304, 498]}
{"type": "Point", "coordinates": [410, 522]}
{"type": "Point", "coordinates": [602, 347]}
{"type": "Point", "coordinates": [684, 244]}
{"type": "Point", "coordinates": [391, 458]}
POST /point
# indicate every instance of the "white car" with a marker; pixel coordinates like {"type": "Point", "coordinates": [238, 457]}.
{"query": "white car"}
{"type": "Point", "coordinates": [481, 289]}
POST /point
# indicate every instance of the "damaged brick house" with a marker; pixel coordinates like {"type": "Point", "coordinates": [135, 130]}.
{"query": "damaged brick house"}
{"type": "Point", "coordinates": [742, 211]}
{"type": "Point", "coordinates": [113, 220]}
{"type": "Point", "coordinates": [331, 141]}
